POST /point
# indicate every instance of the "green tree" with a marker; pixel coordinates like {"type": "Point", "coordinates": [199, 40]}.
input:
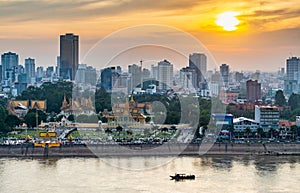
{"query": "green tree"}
{"type": "Point", "coordinates": [108, 131]}
{"type": "Point", "coordinates": [294, 101]}
{"type": "Point", "coordinates": [294, 113]}
{"type": "Point", "coordinates": [102, 100]}
{"type": "Point", "coordinates": [12, 121]}
{"type": "Point", "coordinates": [30, 119]}
{"type": "Point", "coordinates": [271, 132]}
{"type": "Point", "coordinates": [260, 131]}
{"type": "Point", "coordinates": [247, 131]}
{"type": "Point", "coordinates": [71, 118]}
{"type": "Point", "coordinates": [51, 92]}
{"type": "Point", "coordinates": [119, 129]}
{"type": "Point", "coordinates": [294, 131]}
{"type": "Point", "coordinates": [231, 131]}
{"type": "Point", "coordinates": [279, 98]}
{"type": "Point", "coordinates": [33, 116]}
{"type": "Point", "coordinates": [3, 115]}
{"type": "Point", "coordinates": [286, 114]}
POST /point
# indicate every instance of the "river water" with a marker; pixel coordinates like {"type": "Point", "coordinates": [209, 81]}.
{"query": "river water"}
{"type": "Point", "coordinates": [121, 174]}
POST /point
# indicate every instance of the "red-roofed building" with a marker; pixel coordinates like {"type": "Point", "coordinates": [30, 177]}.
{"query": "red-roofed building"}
{"type": "Point", "coordinates": [286, 124]}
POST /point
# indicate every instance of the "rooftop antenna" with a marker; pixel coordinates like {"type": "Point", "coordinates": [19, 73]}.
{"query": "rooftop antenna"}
{"type": "Point", "coordinates": [141, 62]}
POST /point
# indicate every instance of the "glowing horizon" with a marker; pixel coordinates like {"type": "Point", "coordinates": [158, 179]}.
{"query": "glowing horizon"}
{"type": "Point", "coordinates": [32, 28]}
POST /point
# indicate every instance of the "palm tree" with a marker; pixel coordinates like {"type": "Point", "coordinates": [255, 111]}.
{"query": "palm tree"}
{"type": "Point", "coordinates": [260, 131]}
{"type": "Point", "coordinates": [231, 131]}
{"type": "Point", "coordinates": [108, 131]}
{"type": "Point", "coordinates": [119, 129]}
{"type": "Point", "coordinates": [271, 132]}
{"type": "Point", "coordinates": [247, 131]}
{"type": "Point", "coordinates": [293, 130]}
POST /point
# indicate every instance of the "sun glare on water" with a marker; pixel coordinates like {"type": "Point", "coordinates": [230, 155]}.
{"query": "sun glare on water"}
{"type": "Point", "coordinates": [228, 20]}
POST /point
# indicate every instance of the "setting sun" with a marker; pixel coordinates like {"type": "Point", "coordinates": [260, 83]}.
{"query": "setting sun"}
{"type": "Point", "coordinates": [228, 20]}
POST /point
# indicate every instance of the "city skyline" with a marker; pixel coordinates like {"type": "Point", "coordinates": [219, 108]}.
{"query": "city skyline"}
{"type": "Point", "coordinates": [266, 34]}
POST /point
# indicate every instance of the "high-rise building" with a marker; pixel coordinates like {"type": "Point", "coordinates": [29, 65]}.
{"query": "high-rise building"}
{"type": "Point", "coordinates": [0, 73]}
{"type": "Point", "coordinates": [292, 68]}
{"type": "Point", "coordinates": [239, 76]}
{"type": "Point", "coordinates": [224, 71]}
{"type": "Point", "coordinates": [30, 69]}
{"type": "Point", "coordinates": [57, 70]}
{"type": "Point", "coordinates": [253, 90]}
{"type": "Point", "coordinates": [146, 74]}
{"type": "Point", "coordinates": [109, 76]}
{"type": "Point", "coordinates": [90, 75]}
{"type": "Point", "coordinates": [165, 75]}
{"type": "Point", "coordinates": [267, 117]}
{"type": "Point", "coordinates": [39, 73]}
{"type": "Point", "coordinates": [154, 72]}
{"type": "Point", "coordinates": [186, 78]}
{"type": "Point", "coordinates": [69, 55]}
{"type": "Point", "coordinates": [21, 84]}
{"type": "Point", "coordinates": [10, 62]}
{"type": "Point", "coordinates": [80, 74]}
{"type": "Point", "coordinates": [135, 72]}
{"type": "Point", "coordinates": [49, 71]}
{"type": "Point", "coordinates": [122, 83]}
{"type": "Point", "coordinates": [86, 74]}
{"type": "Point", "coordinates": [292, 80]}
{"type": "Point", "coordinates": [198, 61]}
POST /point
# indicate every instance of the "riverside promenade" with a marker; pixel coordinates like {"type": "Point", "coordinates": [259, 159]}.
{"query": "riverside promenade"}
{"type": "Point", "coordinates": [168, 149]}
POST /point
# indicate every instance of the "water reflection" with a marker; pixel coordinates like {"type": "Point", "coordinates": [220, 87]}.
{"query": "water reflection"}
{"type": "Point", "coordinates": [222, 163]}
{"type": "Point", "coordinates": [48, 162]}
{"type": "Point", "coordinates": [213, 174]}
{"type": "Point", "coordinates": [263, 166]}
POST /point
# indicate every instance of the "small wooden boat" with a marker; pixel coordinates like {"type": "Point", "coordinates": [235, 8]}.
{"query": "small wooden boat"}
{"type": "Point", "coordinates": [178, 177]}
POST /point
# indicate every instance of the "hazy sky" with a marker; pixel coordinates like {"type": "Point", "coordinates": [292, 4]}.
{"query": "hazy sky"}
{"type": "Point", "coordinates": [268, 32]}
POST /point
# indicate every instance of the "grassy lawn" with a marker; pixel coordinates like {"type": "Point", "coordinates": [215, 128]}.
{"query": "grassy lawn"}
{"type": "Point", "coordinates": [23, 133]}
{"type": "Point", "coordinates": [94, 134]}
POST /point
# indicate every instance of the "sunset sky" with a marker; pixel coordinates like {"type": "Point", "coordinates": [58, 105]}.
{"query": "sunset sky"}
{"type": "Point", "coordinates": [268, 31]}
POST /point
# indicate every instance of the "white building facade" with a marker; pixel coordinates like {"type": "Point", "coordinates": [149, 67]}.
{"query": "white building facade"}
{"type": "Point", "coordinates": [241, 124]}
{"type": "Point", "coordinates": [267, 117]}
{"type": "Point", "coordinates": [165, 75]}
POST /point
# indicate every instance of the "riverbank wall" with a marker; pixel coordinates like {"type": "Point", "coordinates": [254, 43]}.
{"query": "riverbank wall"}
{"type": "Point", "coordinates": [168, 149]}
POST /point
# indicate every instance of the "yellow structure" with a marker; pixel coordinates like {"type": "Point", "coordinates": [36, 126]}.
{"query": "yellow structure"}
{"type": "Point", "coordinates": [48, 140]}
{"type": "Point", "coordinates": [40, 105]}
{"type": "Point", "coordinates": [77, 106]}
{"type": "Point", "coordinates": [21, 107]}
{"type": "Point", "coordinates": [129, 113]}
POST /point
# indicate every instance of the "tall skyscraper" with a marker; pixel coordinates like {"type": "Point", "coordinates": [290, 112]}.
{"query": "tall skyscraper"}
{"type": "Point", "coordinates": [0, 73]}
{"type": "Point", "coordinates": [109, 76]}
{"type": "Point", "coordinates": [198, 61]}
{"type": "Point", "coordinates": [30, 69]}
{"type": "Point", "coordinates": [154, 72]}
{"type": "Point", "coordinates": [80, 75]}
{"type": "Point", "coordinates": [186, 78]}
{"type": "Point", "coordinates": [165, 75]}
{"type": "Point", "coordinates": [39, 73]}
{"type": "Point", "coordinates": [253, 90]}
{"type": "Point", "coordinates": [69, 55]}
{"type": "Point", "coordinates": [292, 80]}
{"type": "Point", "coordinates": [49, 71]}
{"type": "Point", "coordinates": [292, 68]}
{"type": "Point", "coordinates": [57, 70]}
{"type": "Point", "coordinates": [224, 71]}
{"type": "Point", "coordinates": [135, 72]}
{"type": "Point", "coordinates": [10, 62]}
{"type": "Point", "coordinates": [90, 75]}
